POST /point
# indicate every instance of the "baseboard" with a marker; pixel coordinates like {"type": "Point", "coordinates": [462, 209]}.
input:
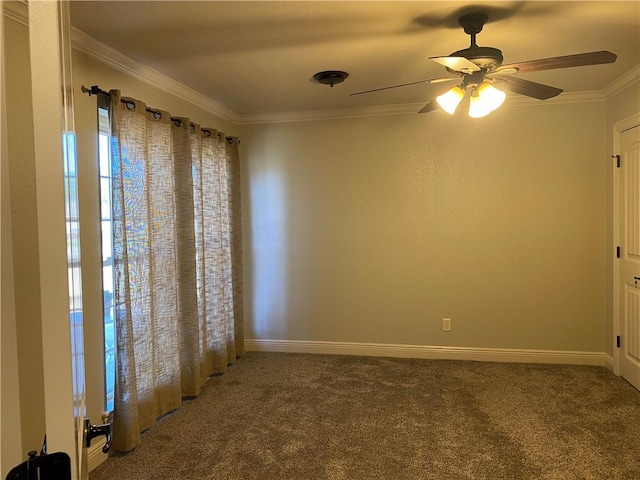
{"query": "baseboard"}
{"type": "Point", "coordinates": [608, 362]}
{"type": "Point", "coordinates": [94, 454]}
{"type": "Point", "coordinates": [430, 352]}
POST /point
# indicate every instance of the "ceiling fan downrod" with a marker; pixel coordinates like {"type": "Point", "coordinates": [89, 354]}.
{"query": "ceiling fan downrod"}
{"type": "Point", "coordinates": [472, 24]}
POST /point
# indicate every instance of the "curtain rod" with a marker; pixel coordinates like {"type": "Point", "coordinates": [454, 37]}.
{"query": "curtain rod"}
{"type": "Point", "coordinates": [95, 90]}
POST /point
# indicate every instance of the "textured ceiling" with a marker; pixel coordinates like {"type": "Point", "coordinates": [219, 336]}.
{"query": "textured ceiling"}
{"type": "Point", "coordinates": [259, 57]}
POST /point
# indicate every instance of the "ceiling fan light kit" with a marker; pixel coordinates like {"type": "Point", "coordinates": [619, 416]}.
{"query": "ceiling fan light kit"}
{"type": "Point", "coordinates": [479, 69]}
{"type": "Point", "coordinates": [484, 100]}
{"type": "Point", "coordinates": [450, 100]}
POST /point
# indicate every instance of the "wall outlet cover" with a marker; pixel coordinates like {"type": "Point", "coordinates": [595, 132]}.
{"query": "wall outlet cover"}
{"type": "Point", "coordinates": [446, 324]}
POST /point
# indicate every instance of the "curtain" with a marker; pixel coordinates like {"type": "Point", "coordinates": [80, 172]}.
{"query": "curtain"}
{"type": "Point", "coordinates": [177, 261]}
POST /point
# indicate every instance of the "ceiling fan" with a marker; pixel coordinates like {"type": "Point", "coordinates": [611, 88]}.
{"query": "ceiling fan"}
{"type": "Point", "coordinates": [479, 71]}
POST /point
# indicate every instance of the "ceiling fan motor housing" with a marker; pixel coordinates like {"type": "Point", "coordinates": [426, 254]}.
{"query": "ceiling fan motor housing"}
{"type": "Point", "coordinates": [487, 58]}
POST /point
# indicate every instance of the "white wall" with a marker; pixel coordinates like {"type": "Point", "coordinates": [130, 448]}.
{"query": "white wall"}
{"type": "Point", "coordinates": [373, 229]}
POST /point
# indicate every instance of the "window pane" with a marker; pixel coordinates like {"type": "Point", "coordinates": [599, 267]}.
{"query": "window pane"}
{"type": "Point", "coordinates": [107, 256]}
{"type": "Point", "coordinates": [109, 358]}
{"type": "Point", "coordinates": [103, 145]}
{"type": "Point", "coordinates": [107, 298]}
{"type": "Point", "coordinates": [75, 281]}
{"type": "Point", "coordinates": [107, 278]}
{"type": "Point", "coordinates": [73, 242]}
{"type": "Point", "coordinates": [106, 244]}
{"type": "Point", "coordinates": [105, 198]}
{"type": "Point", "coordinates": [71, 190]}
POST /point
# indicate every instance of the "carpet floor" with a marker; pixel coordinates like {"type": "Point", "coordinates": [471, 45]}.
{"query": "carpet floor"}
{"type": "Point", "coordinates": [306, 417]}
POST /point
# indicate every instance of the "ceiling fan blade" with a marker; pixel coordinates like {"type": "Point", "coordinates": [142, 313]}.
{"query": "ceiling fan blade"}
{"type": "Point", "coordinates": [528, 88]}
{"type": "Point", "coordinates": [432, 80]}
{"type": "Point", "coordinates": [577, 60]}
{"type": "Point", "coordinates": [458, 64]}
{"type": "Point", "coordinates": [429, 107]}
{"type": "Point", "coordinates": [433, 104]}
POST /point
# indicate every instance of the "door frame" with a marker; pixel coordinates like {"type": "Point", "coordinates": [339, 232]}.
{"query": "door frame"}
{"type": "Point", "coordinates": [618, 128]}
{"type": "Point", "coordinates": [46, 33]}
{"type": "Point", "coordinates": [10, 433]}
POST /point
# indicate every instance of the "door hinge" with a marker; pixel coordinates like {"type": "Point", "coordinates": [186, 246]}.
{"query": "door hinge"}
{"type": "Point", "coordinates": [617, 157]}
{"type": "Point", "coordinates": [617, 252]}
{"type": "Point", "coordinates": [618, 341]}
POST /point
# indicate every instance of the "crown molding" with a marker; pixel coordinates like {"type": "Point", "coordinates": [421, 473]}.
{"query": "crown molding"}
{"type": "Point", "coordinates": [563, 98]}
{"type": "Point", "coordinates": [623, 82]}
{"type": "Point", "coordinates": [406, 109]}
{"type": "Point", "coordinates": [331, 114]}
{"type": "Point", "coordinates": [109, 56]}
{"type": "Point", "coordinates": [17, 11]}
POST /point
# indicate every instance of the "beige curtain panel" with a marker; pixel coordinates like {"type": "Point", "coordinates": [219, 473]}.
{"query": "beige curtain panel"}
{"type": "Point", "coordinates": [177, 258]}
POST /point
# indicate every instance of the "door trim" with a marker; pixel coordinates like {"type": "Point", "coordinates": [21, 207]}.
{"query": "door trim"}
{"type": "Point", "coordinates": [48, 127]}
{"type": "Point", "coordinates": [618, 128]}
{"type": "Point", "coordinates": [10, 427]}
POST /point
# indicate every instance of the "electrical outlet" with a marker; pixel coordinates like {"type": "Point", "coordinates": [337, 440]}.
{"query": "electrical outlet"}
{"type": "Point", "coordinates": [446, 324]}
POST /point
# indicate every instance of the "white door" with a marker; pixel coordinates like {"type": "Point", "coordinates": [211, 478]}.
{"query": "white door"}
{"type": "Point", "coordinates": [629, 267]}
{"type": "Point", "coordinates": [58, 230]}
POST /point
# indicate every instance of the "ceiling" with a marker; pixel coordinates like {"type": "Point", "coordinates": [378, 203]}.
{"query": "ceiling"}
{"type": "Point", "coordinates": [259, 57]}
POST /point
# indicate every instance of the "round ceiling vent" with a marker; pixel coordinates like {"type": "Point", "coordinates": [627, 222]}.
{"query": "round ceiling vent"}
{"type": "Point", "coordinates": [330, 77]}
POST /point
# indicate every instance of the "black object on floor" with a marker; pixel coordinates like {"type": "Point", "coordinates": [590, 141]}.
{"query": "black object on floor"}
{"type": "Point", "coordinates": [55, 466]}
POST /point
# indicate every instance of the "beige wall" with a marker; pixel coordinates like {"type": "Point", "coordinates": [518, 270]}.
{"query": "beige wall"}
{"type": "Point", "coordinates": [24, 236]}
{"type": "Point", "coordinates": [10, 434]}
{"type": "Point", "coordinates": [619, 107]}
{"type": "Point", "coordinates": [373, 229]}
{"type": "Point", "coordinates": [10, 431]}
{"type": "Point", "coordinates": [369, 229]}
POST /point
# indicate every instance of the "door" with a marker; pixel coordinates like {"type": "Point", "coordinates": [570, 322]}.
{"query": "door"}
{"type": "Point", "coordinates": [629, 266]}
{"type": "Point", "coordinates": [58, 230]}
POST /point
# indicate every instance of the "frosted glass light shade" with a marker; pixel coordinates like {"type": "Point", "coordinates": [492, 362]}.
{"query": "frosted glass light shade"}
{"type": "Point", "coordinates": [450, 100]}
{"type": "Point", "coordinates": [485, 100]}
{"type": "Point", "coordinates": [477, 108]}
